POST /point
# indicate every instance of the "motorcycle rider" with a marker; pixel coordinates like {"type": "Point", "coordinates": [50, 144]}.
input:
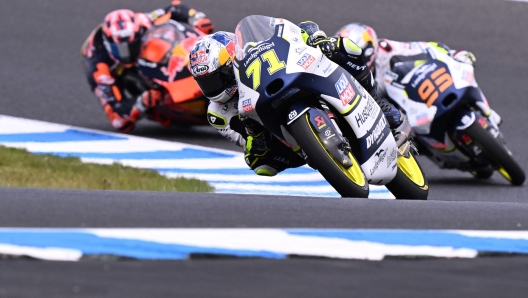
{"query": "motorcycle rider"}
{"type": "Point", "coordinates": [265, 154]}
{"type": "Point", "coordinates": [381, 55]}
{"type": "Point", "coordinates": [110, 53]}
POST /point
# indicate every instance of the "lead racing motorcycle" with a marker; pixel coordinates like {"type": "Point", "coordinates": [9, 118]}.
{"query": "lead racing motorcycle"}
{"type": "Point", "coordinates": [451, 119]}
{"type": "Point", "coordinates": [319, 110]}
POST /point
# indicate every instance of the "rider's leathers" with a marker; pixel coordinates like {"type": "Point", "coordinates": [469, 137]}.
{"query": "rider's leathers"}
{"type": "Point", "coordinates": [105, 75]}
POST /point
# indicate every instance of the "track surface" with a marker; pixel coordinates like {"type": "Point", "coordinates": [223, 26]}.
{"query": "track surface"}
{"type": "Point", "coordinates": [41, 78]}
{"type": "Point", "coordinates": [68, 208]}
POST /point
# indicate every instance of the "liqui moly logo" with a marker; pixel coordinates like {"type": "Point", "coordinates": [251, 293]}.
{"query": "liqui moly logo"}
{"type": "Point", "coordinates": [306, 61]}
{"type": "Point", "coordinates": [247, 106]}
{"type": "Point", "coordinates": [345, 90]}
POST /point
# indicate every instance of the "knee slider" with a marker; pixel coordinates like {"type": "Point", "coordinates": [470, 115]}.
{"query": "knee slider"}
{"type": "Point", "coordinates": [265, 170]}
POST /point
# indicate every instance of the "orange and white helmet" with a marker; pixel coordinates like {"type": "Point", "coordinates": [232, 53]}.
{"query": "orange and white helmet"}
{"type": "Point", "coordinates": [364, 36]}
{"type": "Point", "coordinates": [122, 31]}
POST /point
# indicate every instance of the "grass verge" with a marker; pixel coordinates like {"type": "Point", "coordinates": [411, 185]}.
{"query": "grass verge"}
{"type": "Point", "coordinates": [19, 168]}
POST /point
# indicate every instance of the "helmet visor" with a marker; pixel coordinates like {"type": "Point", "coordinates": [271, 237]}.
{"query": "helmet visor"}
{"type": "Point", "coordinates": [124, 52]}
{"type": "Point", "coordinates": [215, 83]}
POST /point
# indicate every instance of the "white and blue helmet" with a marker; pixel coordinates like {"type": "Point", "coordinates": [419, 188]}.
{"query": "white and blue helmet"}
{"type": "Point", "coordinates": [211, 62]}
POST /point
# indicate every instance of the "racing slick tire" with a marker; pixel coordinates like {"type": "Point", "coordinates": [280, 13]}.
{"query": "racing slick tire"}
{"type": "Point", "coordinates": [499, 157]}
{"type": "Point", "coordinates": [349, 182]}
{"type": "Point", "coordinates": [410, 182]}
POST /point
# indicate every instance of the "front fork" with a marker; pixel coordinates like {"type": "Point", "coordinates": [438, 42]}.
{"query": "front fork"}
{"type": "Point", "coordinates": [463, 140]}
{"type": "Point", "coordinates": [325, 126]}
{"type": "Point", "coordinates": [331, 136]}
{"type": "Point", "coordinates": [402, 135]}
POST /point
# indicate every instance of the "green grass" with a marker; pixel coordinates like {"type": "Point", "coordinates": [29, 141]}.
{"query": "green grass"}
{"type": "Point", "coordinates": [19, 168]}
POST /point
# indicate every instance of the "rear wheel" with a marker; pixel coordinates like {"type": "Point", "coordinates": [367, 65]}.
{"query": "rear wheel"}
{"type": "Point", "coordinates": [497, 154]}
{"type": "Point", "coordinates": [410, 182]}
{"type": "Point", "coordinates": [349, 182]}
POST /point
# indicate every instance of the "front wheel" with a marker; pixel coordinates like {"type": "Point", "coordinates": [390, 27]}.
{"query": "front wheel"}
{"type": "Point", "coordinates": [410, 182]}
{"type": "Point", "coordinates": [349, 182]}
{"type": "Point", "coordinates": [497, 154]}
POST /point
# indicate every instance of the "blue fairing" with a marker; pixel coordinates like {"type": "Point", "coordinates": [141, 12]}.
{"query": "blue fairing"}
{"type": "Point", "coordinates": [276, 88]}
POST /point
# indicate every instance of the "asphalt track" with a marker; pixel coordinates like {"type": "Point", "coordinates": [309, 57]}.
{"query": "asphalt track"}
{"type": "Point", "coordinates": [73, 208]}
{"type": "Point", "coordinates": [41, 78]}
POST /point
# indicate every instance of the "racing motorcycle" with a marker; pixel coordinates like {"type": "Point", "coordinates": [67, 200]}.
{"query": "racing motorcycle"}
{"type": "Point", "coordinates": [320, 111]}
{"type": "Point", "coordinates": [164, 65]}
{"type": "Point", "coordinates": [452, 121]}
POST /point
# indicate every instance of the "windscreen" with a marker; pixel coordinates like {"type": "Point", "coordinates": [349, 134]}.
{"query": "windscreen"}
{"type": "Point", "coordinates": [158, 41]}
{"type": "Point", "coordinates": [252, 30]}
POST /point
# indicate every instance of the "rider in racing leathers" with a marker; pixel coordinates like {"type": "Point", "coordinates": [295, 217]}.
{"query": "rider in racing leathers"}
{"type": "Point", "coordinates": [382, 55]}
{"type": "Point", "coordinates": [110, 53]}
{"type": "Point", "coordinates": [265, 154]}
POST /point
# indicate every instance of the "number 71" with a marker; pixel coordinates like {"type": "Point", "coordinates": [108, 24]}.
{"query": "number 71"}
{"type": "Point", "coordinates": [254, 68]}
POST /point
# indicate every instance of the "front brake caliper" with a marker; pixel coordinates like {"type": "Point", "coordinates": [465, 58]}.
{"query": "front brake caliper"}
{"type": "Point", "coordinates": [331, 137]}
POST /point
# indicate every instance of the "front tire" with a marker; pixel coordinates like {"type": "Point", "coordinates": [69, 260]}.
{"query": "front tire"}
{"type": "Point", "coordinates": [410, 182]}
{"type": "Point", "coordinates": [497, 154]}
{"type": "Point", "coordinates": [349, 182]}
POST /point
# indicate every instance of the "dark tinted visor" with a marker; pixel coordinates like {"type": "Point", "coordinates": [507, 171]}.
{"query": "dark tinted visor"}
{"type": "Point", "coordinates": [125, 52]}
{"type": "Point", "coordinates": [215, 83]}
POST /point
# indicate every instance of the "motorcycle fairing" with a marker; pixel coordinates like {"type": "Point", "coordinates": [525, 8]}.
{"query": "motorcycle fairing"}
{"type": "Point", "coordinates": [307, 70]}
{"type": "Point", "coordinates": [446, 117]}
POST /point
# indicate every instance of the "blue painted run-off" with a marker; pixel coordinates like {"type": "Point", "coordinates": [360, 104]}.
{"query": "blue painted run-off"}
{"type": "Point", "coordinates": [69, 135]}
{"type": "Point", "coordinates": [418, 238]}
{"type": "Point", "coordinates": [90, 244]}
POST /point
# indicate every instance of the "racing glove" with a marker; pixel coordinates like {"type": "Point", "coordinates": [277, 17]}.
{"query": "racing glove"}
{"type": "Point", "coordinates": [327, 45]}
{"type": "Point", "coordinates": [201, 22]}
{"type": "Point", "coordinates": [464, 57]}
{"type": "Point", "coordinates": [148, 100]}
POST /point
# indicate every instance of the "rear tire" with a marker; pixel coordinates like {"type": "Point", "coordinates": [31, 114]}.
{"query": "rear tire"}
{"type": "Point", "coordinates": [410, 182]}
{"type": "Point", "coordinates": [347, 182]}
{"type": "Point", "coordinates": [497, 154]}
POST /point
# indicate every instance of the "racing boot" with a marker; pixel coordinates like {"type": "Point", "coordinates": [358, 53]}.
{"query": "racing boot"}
{"type": "Point", "coordinates": [495, 118]}
{"type": "Point", "coordinates": [393, 115]}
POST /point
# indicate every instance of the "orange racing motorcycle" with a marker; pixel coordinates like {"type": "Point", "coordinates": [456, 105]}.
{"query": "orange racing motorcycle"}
{"type": "Point", "coordinates": [164, 65]}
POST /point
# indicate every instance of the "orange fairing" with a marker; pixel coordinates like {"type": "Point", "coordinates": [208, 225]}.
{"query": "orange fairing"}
{"type": "Point", "coordinates": [164, 18]}
{"type": "Point", "coordinates": [155, 50]}
{"type": "Point", "coordinates": [182, 90]}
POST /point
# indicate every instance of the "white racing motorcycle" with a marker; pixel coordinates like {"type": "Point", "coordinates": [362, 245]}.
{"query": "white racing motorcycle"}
{"type": "Point", "coordinates": [451, 119]}
{"type": "Point", "coordinates": [318, 109]}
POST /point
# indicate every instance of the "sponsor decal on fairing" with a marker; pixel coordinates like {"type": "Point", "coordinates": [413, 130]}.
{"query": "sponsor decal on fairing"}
{"type": "Point", "coordinates": [247, 106]}
{"type": "Point", "coordinates": [306, 61]}
{"type": "Point", "coordinates": [366, 113]}
{"type": "Point", "coordinates": [377, 134]}
{"type": "Point", "coordinates": [381, 154]}
{"type": "Point", "coordinates": [255, 51]}
{"type": "Point", "coordinates": [345, 90]}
